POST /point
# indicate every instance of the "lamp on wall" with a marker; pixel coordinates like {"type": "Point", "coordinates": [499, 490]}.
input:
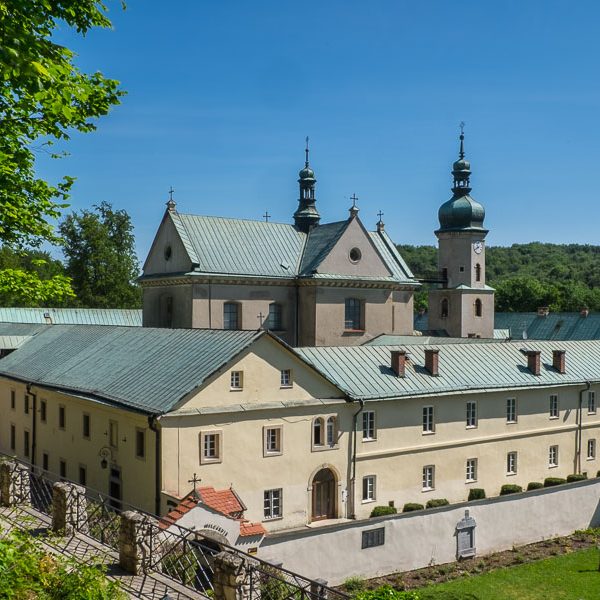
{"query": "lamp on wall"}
{"type": "Point", "coordinates": [105, 453]}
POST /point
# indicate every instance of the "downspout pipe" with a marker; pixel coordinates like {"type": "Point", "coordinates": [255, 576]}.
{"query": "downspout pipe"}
{"type": "Point", "coordinates": [588, 385]}
{"type": "Point", "coordinates": [154, 426]}
{"type": "Point", "coordinates": [354, 441]}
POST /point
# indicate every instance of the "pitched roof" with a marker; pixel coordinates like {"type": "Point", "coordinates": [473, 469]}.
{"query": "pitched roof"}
{"type": "Point", "coordinates": [364, 372]}
{"type": "Point", "coordinates": [72, 316]}
{"type": "Point", "coordinates": [222, 501]}
{"type": "Point", "coordinates": [241, 247]}
{"type": "Point", "coordinates": [142, 368]}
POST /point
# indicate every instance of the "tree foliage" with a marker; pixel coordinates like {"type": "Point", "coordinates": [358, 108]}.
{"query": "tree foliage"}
{"type": "Point", "coordinates": [44, 97]}
{"type": "Point", "coordinates": [100, 257]}
{"type": "Point", "coordinates": [527, 276]}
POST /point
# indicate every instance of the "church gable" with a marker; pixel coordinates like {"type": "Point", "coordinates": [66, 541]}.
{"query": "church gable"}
{"type": "Point", "coordinates": [168, 254]}
{"type": "Point", "coordinates": [354, 254]}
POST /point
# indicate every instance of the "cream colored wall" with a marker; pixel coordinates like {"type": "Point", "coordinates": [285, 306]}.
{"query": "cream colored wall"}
{"type": "Point", "coordinates": [156, 262]}
{"type": "Point", "coordinates": [461, 320]}
{"type": "Point", "coordinates": [338, 260]}
{"type": "Point", "coordinates": [137, 475]}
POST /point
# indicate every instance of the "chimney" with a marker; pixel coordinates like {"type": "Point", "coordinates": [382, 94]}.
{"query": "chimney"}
{"type": "Point", "coordinates": [559, 361]}
{"type": "Point", "coordinates": [543, 311]}
{"type": "Point", "coordinates": [399, 362]}
{"type": "Point", "coordinates": [584, 312]}
{"type": "Point", "coordinates": [432, 360]}
{"type": "Point", "coordinates": [533, 360]}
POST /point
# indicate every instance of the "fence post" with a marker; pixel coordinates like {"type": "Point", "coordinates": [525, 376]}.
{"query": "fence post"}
{"type": "Point", "coordinates": [230, 581]}
{"type": "Point", "coordinates": [318, 589]}
{"type": "Point", "coordinates": [15, 485]}
{"type": "Point", "coordinates": [135, 538]}
{"type": "Point", "coordinates": [69, 508]}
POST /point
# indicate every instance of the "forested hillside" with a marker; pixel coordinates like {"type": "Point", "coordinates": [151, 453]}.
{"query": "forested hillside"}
{"type": "Point", "coordinates": [526, 276]}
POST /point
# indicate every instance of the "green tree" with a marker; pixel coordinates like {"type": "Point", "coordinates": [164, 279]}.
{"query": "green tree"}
{"type": "Point", "coordinates": [100, 257]}
{"type": "Point", "coordinates": [43, 98]}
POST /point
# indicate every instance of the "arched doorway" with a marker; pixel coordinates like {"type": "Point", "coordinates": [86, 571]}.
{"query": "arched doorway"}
{"type": "Point", "coordinates": [324, 495]}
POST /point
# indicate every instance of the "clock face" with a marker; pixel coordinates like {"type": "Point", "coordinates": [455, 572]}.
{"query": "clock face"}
{"type": "Point", "coordinates": [478, 247]}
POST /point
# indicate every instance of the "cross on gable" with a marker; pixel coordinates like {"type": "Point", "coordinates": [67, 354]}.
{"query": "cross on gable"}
{"type": "Point", "coordinates": [380, 214]}
{"type": "Point", "coordinates": [195, 480]}
{"type": "Point", "coordinates": [354, 198]}
{"type": "Point", "coordinates": [171, 190]}
{"type": "Point", "coordinates": [266, 216]}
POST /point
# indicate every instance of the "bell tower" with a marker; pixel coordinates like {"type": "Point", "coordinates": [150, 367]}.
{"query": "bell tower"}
{"type": "Point", "coordinates": [307, 216]}
{"type": "Point", "coordinates": [463, 305]}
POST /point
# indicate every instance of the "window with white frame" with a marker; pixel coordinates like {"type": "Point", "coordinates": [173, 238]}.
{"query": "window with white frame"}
{"type": "Point", "coordinates": [272, 440]}
{"type": "Point", "coordinates": [471, 413]}
{"type": "Point", "coordinates": [368, 426]}
{"type": "Point", "coordinates": [591, 402]}
{"type": "Point", "coordinates": [428, 424]}
{"type": "Point", "coordinates": [511, 463]}
{"type": "Point", "coordinates": [428, 477]}
{"type": "Point", "coordinates": [471, 470]}
{"type": "Point", "coordinates": [318, 432]}
{"type": "Point", "coordinates": [511, 410]}
{"type": "Point", "coordinates": [286, 378]}
{"type": "Point", "coordinates": [553, 456]}
{"type": "Point", "coordinates": [554, 406]}
{"type": "Point", "coordinates": [368, 488]}
{"type": "Point", "coordinates": [273, 504]}
{"type": "Point", "coordinates": [210, 447]}
{"type": "Point", "coordinates": [591, 449]}
{"type": "Point", "coordinates": [331, 431]}
{"type": "Point", "coordinates": [236, 380]}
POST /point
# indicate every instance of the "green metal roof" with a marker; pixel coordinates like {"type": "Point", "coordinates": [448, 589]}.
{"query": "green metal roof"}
{"type": "Point", "coordinates": [363, 372]}
{"type": "Point", "coordinates": [386, 339]}
{"type": "Point", "coordinates": [142, 368]}
{"type": "Point", "coordinates": [72, 316]}
{"type": "Point", "coordinates": [319, 244]}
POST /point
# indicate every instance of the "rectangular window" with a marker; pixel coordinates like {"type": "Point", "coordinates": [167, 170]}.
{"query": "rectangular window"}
{"type": "Point", "coordinates": [13, 437]}
{"type": "Point", "coordinates": [113, 434]}
{"type": "Point", "coordinates": [237, 380]}
{"type": "Point", "coordinates": [140, 443]}
{"type": "Point", "coordinates": [272, 440]}
{"type": "Point", "coordinates": [368, 488]}
{"type": "Point", "coordinates": [428, 478]}
{"type": "Point", "coordinates": [471, 470]}
{"type": "Point", "coordinates": [62, 417]}
{"type": "Point", "coordinates": [373, 537]}
{"type": "Point", "coordinates": [274, 321]}
{"type": "Point", "coordinates": [553, 456]}
{"type": "Point", "coordinates": [511, 410]}
{"type": "Point", "coordinates": [554, 406]}
{"type": "Point", "coordinates": [272, 504]}
{"type": "Point", "coordinates": [353, 314]}
{"type": "Point", "coordinates": [86, 426]}
{"type": "Point", "coordinates": [13, 399]}
{"type": "Point", "coordinates": [511, 463]}
{"type": "Point", "coordinates": [26, 443]}
{"type": "Point", "coordinates": [43, 411]}
{"type": "Point", "coordinates": [82, 475]}
{"type": "Point", "coordinates": [26, 404]}
{"type": "Point", "coordinates": [231, 314]}
{"type": "Point", "coordinates": [428, 424]}
{"type": "Point", "coordinates": [210, 447]}
{"type": "Point", "coordinates": [591, 403]}
{"type": "Point", "coordinates": [62, 467]}
{"type": "Point", "coordinates": [471, 413]}
{"type": "Point", "coordinates": [286, 378]}
{"type": "Point", "coordinates": [591, 449]}
{"type": "Point", "coordinates": [369, 425]}
{"type": "Point", "coordinates": [45, 461]}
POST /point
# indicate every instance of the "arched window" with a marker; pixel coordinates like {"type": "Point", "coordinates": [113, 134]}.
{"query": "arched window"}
{"type": "Point", "coordinates": [274, 321]}
{"type": "Point", "coordinates": [231, 315]}
{"type": "Point", "coordinates": [444, 308]}
{"type": "Point", "coordinates": [477, 272]}
{"type": "Point", "coordinates": [478, 308]}
{"type": "Point", "coordinates": [318, 432]}
{"type": "Point", "coordinates": [331, 431]}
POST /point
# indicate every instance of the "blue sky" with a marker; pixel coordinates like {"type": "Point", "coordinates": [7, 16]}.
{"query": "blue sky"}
{"type": "Point", "coordinates": [222, 94]}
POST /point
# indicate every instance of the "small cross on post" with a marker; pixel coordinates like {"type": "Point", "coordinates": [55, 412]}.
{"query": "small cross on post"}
{"type": "Point", "coordinates": [171, 203]}
{"type": "Point", "coordinates": [194, 480]}
{"type": "Point", "coordinates": [353, 208]}
{"type": "Point", "coordinates": [266, 216]}
{"type": "Point", "coordinates": [260, 318]}
{"type": "Point", "coordinates": [380, 214]}
{"type": "Point", "coordinates": [380, 224]}
{"type": "Point", "coordinates": [171, 190]}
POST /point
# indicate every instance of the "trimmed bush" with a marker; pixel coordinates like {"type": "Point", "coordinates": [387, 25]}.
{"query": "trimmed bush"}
{"type": "Point", "coordinates": [576, 477]}
{"type": "Point", "coordinates": [552, 481]}
{"type": "Point", "coordinates": [534, 485]}
{"type": "Point", "coordinates": [353, 585]}
{"type": "Point", "coordinates": [410, 506]}
{"type": "Point", "coordinates": [510, 488]}
{"type": "Point", "coordinates": [476, 494]}
{"type": "Point", "coordinates": [380, 511]}
{"type": "Point", "coordinates": [435, 502]}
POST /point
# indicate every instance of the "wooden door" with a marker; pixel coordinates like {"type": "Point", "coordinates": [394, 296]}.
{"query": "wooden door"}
{"type": "Point", "coordinates": [323, 495]}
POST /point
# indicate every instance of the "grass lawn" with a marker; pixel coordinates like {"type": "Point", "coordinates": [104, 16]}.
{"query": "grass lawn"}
{"type": "Point", "coordinates": [572, 576]}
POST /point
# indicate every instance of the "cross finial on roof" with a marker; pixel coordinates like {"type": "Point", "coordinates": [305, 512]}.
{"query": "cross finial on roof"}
{"type": "Point", "coordinates": [380, 224]}
{"type": "Point", "coordinates": [461, 154]}
{"type": "Point", "coordinates": [194, 480]}
{"type": "Point", "coordinates": [266, 216]}
{"type": "Point", "coordinates": [171, 203]}
{"type": "Point", "coordinates": [307, 150]}
{"type": "Point", "coordinates": [353, 208]}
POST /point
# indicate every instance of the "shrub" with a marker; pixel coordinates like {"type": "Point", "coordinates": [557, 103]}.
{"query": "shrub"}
{"type": "Point", "coordinates": [552, 481]}
{"type": "Point", "coordinates": [380, 511]}
{"type": "Point", "coordinates": [476, 493]}
{"type": "Point", "coordinates": [435, 502]}
{"type": "Point", "coordinates": [510, 488]}
{"type": "Point", "coordinates": [386, 592]}
{"type": "Point", "coordinates": [410, 506]}
{"type": "Point", "coordinates": [354, 585]}
{"type": "Point", "coordinates": [534, 485]}
{"type": "Point", "coordinates": [576, 477]}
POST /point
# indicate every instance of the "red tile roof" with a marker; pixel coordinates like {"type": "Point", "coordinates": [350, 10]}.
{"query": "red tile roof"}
{"type": "Point", "coordinates": [248, 529]}
{"type": "Point", "coordinates": [223, 501]}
